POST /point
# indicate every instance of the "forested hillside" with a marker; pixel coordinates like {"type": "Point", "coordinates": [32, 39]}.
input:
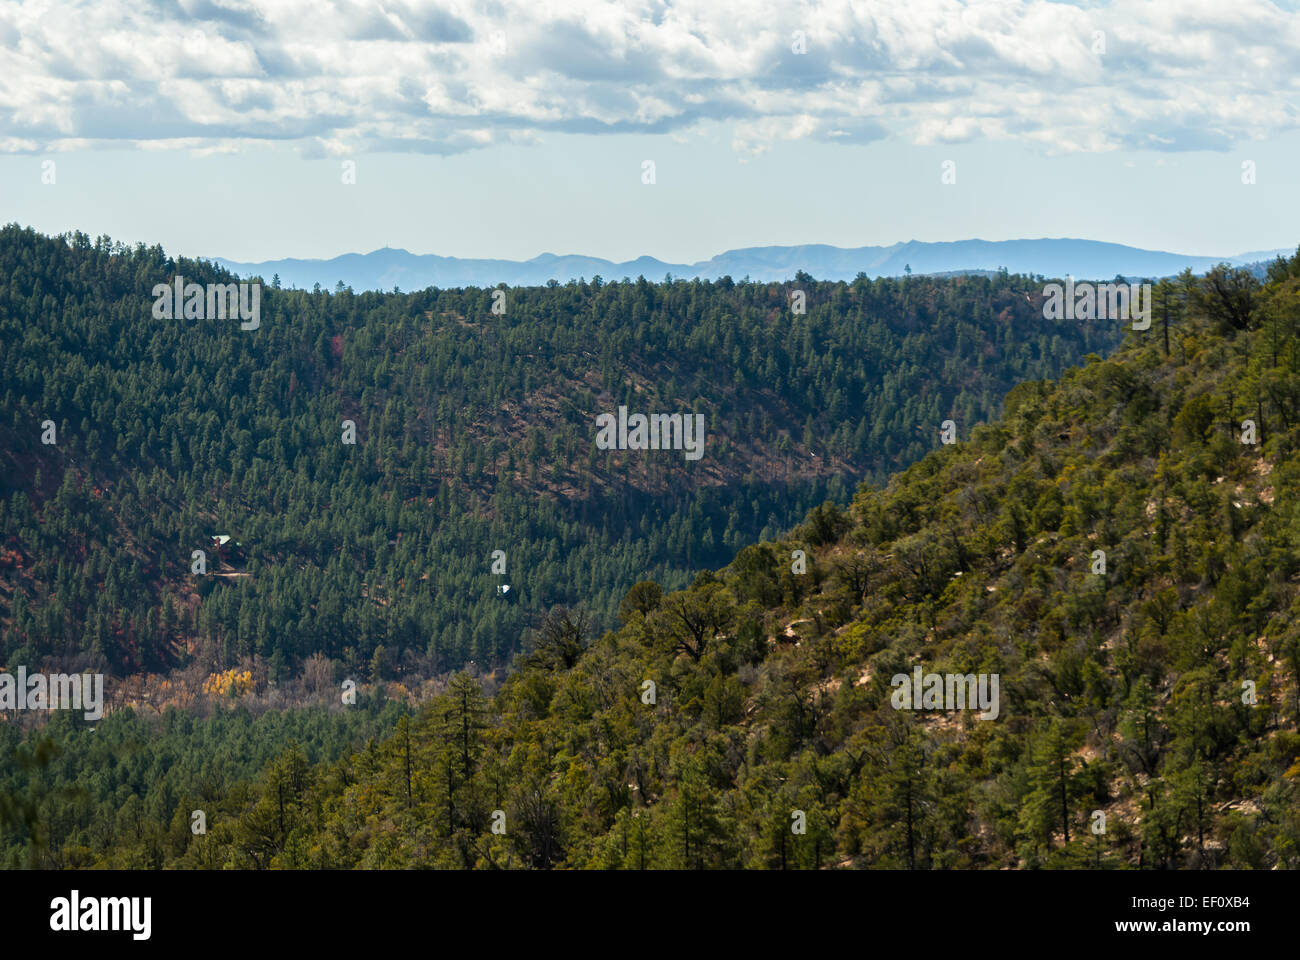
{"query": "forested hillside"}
{"type": "Point", "coordinates": [1120, 549]}
{"type": "Point", "coordinates": [474, 433]}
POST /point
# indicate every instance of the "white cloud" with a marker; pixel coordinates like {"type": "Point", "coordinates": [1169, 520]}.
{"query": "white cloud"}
{"type": "Point", "coordinates": [337, 75]}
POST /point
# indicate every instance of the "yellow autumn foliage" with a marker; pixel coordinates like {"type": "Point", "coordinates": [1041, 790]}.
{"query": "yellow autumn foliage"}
{"type": "Point", "coordinates": [232, 682]}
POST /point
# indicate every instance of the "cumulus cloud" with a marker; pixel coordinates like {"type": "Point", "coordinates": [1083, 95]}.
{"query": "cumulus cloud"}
{"type": "Point", "coordinates": [338, 76]}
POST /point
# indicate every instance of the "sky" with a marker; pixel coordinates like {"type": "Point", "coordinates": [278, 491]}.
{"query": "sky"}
{"type": "Point", "coordinates": [253, 130]}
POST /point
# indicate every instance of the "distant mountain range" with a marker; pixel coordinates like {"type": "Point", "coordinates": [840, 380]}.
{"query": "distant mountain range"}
{"type": "Point", "coordinates": [1084, 259]}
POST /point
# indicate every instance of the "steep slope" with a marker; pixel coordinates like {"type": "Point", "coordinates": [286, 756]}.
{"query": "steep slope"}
{"type": "Point", "coordinates": [475, 432]}
{"type": "Point", "coordinates": [1147, 703]}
